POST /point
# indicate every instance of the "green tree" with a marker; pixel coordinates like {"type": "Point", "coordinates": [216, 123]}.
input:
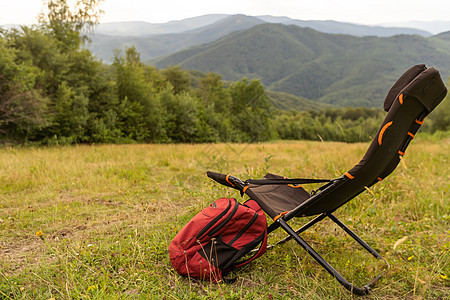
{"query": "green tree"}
{"type": "Point", "coordinates": [156, 78]}
{"type": "Point", "coordinates": [182, 123]}
{"type": "Point", "coordinates": [70, 110]}
{"type": "Point", "coordinates": [22, 105]}
{"type": "Point", "coordinates": [134, 86]}
{"type": "Point", "coordinates": [212, 92]}
{"type": "Point", "coordinates": [178, 78]}
{"type": "Point", "coordinates": [252, 111]}
{"type": "Point", "coordinates": [216, 109]}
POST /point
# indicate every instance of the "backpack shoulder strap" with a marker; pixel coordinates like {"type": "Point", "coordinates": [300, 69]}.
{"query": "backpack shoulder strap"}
{"type": "Point", "coordinates": [262, 249]}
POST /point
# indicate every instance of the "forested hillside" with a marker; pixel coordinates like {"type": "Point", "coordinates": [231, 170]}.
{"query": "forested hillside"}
{"type": "Point", "coordinates": [342, 70]}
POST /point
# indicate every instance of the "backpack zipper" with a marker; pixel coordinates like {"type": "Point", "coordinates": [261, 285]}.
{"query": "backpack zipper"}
{"type": "Point", "coordinates": [221, 225]}
{"type": "Point", "coordinates": [253, 220]}
{"type": "Point", "coordinates": [214, 221]}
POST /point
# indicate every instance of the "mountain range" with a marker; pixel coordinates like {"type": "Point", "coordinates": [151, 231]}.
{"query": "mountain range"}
{"type": "Point", "coordinates": [154, 40]}
{"type": "Point", "coordinates": [302, 63]}
{"type": "Point", "coordinates": [146, 29]}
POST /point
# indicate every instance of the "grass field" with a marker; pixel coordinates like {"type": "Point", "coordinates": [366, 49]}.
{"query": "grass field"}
{"type": "Point", "coordinates": [108, 213]}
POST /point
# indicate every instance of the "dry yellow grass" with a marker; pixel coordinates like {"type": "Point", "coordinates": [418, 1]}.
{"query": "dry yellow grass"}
{"type": "Point", "coordinates": [108, 213]}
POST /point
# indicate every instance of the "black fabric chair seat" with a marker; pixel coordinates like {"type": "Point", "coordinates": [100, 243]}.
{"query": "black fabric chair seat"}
{"type": "Point", "coordinates": [277, 199]}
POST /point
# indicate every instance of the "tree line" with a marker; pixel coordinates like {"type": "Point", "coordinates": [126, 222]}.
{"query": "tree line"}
{"type": "Point", "coordinates": [54, 91]}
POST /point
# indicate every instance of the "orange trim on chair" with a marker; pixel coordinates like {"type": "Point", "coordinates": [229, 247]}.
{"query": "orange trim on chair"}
{"type": "Point", "coordinates": [245, 188]}
{"type": "Point", "coordinates": [400, 98]}
{"type": "Point", "coordinates": [226, 178]}
{"type": "Point", "coordinates": [410, 134]}
{"type": "Point", "coordinates": [379, 178]}
{"type": "Point", "coordinates": [401, 153]}
{"type": "Point", "coordinates": [294, 186]}
{"type": "Point", "coordinates": [350, 176]}
{"type": "Point", "coordinates": [280, 215]}
{"type": "Point", "coordinates": [380, 136]}
{"type": "Point", "coordinates": [420, 122]}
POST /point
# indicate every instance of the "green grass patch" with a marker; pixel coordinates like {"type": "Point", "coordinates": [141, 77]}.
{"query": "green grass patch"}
{"type": "Point", "coordinates": [109, 212]}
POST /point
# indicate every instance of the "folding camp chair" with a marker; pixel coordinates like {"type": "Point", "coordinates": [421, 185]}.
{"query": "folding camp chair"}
{"type": "Point", "coordinates": [415, 94]}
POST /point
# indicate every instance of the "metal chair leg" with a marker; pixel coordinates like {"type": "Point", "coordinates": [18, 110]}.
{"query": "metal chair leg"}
{"type": "Point", "coordinates": [356, 238]}
{"type": "Point", "coordinates": [356, 290]}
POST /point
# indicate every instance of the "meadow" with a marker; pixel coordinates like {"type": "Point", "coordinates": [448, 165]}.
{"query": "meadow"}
{"type": "Point", "coordinates": [95, 221]}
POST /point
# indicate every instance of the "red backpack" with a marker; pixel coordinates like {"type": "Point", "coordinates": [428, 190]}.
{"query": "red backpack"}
{"type": "Point", "coordinates": [211, 244]}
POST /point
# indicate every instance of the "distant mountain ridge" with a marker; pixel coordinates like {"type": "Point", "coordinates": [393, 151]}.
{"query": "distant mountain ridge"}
{"type": "Point", "coordinates": [434, 27]}
{"type": "Point", "coordinates": [335, 69]}
{"type": "Point", "coordinates": [138, 28]}
{"type": "Point", "coordinates": [153, 40]}
{"type": "Point", "coordinates": [335, 27]}
{"type": "Point", "coordinates": [328, 26]}
{"type": "Point", "coordinates": [151, 47]}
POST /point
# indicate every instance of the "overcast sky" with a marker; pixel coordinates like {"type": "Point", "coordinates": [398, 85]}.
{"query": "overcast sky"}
{"type": "Point", "coordinates": [161, 11]}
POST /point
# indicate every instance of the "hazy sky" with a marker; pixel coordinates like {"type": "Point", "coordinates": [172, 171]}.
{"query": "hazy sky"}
{"type": "Point", "coordinates": [160, 11]}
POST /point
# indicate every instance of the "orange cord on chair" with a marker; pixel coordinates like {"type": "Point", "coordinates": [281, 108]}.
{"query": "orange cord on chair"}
{"type": "Point", "coordinates": [226, 178]}
{"type": "Point", "coordinates": [280, 215]}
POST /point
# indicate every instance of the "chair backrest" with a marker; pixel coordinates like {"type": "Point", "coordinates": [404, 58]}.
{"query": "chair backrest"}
{"type": "Point", "coordinates": [415, 94]}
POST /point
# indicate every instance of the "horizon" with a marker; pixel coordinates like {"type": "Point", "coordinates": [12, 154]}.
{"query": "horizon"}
{"type": "Point", "coordinates": [277, 16]}
{"type": "Point", "coordinates": [371, 13]}
{"type": "Point", "coordinates": [433, 26]}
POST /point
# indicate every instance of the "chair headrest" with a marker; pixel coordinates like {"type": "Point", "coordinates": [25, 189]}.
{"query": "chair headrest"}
{"type": "Point", "coordinates": [424, 84]}
{"type": "Point", "coordinates": [428, 88]}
